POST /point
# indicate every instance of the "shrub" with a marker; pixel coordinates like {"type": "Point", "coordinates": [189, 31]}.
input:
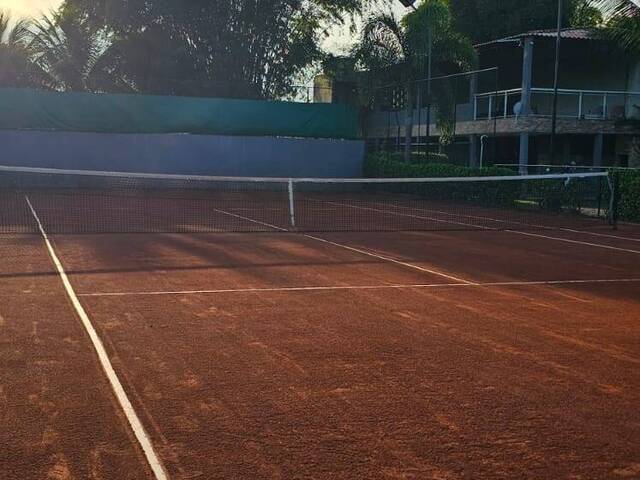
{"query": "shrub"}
{"type": "Point", "coordinates": [419, 158]}
{"type": "Point", "coordinates": [382, 165]}
{"type": "Point", "coordinates": [478, 193]}
{"type": "Point", "coordinates": [629, 203]}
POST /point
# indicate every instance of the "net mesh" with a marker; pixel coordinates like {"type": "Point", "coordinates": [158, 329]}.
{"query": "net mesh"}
{"type": "Point", "coordinates": [75, 202]}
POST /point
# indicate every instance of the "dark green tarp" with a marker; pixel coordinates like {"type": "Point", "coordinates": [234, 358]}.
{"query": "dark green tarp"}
{"type": "Point", "coordinates": [24, 109]}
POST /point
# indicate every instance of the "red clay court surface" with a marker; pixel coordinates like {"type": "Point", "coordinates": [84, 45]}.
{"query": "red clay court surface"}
{"type": "Point", "coordinates": [434, 355]}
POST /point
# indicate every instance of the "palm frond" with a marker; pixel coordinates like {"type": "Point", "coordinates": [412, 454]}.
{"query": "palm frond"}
{"type": "Point", "coordinates": [624, 31]}
{"type": "Point", "coordinates": [383, 43]}
{"type": "Point", "coordinates": [67, 50]}
{"type": "Point", "coordinates": [20, 33]}
{"type": "Point", "coordinates": [15, 35]}
{"type": "Point", "coordinates": [622, 24]}
{"type": "Point", "coordinates": [4, 25]}
{"type": "Point", "coordinates": [611, 8]}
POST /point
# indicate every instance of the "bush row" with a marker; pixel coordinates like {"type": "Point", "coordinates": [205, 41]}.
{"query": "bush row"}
{"type": "Point", "coordinates": [381, 165]}
{"type": "Point", "coordinates": [629, 195]}
{"type": "Point", "coordinates": [556, 195]}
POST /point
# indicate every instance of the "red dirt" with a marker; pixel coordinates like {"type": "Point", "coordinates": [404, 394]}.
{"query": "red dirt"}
{"type": "Point", "coordinates": [60, 420]}
{"type": "Point", "coordinates": [490, 382]}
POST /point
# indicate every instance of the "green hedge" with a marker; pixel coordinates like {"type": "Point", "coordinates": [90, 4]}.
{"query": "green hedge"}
{"type": "Point", "coordinates": [553, 195]}
{"type": "Point", "coordinates": [381, 165]}
{"type": "Point", "coordinates": [485, 194]}
{"type": "Point", "coordinates": [418, 158]}
{"type": "Point", "coordinates": [629, 195]}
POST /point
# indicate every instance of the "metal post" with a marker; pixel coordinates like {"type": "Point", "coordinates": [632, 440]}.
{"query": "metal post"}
{"type": "Point", "coordinates": [580, 103]}
{"type": "Point", "coordinates": [482, 140]}
{"type": "Point", "coordinates": [494, 143]}
{"type": "Point", "coordinates": [604, 107]}
{"type": "Point", "coordinates": [554, 115]}
{"type": "Point", "coordinates": [506, 103]}
{"type": "Point", "coordinates": [410, 3]}
{"type": "Point", "coordinates": [599, 196]}
{"type": "Point", "coordinates": [614, 185]}
{"type": "Point", "coordinates": [429, 50]}
{"type": "Point", "coordinates": [419, 104]}
{"type": "Point", "coordinates": [292, 212]}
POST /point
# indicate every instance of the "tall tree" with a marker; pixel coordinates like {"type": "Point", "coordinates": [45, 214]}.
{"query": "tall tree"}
{"type": "Point", "coordinates": [16, 67]}
{"type": "Point", "coordinates": [249, 48]}
{"type": "Point", "coordinates": [396, 51]}
{"type": "Point", "coordinates": [72, 54]}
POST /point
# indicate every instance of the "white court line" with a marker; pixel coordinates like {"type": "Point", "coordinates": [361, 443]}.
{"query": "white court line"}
{"type": "Point", "coordinates": [136, 425]}
{"type": "Point", "coordinates": [478, 217]}
{"type": "Point", "coordinates": [579, 242]}
{"type": "Point", "coordinates": [242, 217]}
{"type": "Point", "coordinates": [397, 214]}
{"type": "Point", "coordinates": [560, 239]}
{"type": "Point", "coordinates": [358, 287]}
{"type": "Point", "coordinates": [392, 260]}
{"type": "Point", "coordinates": [363, 252]}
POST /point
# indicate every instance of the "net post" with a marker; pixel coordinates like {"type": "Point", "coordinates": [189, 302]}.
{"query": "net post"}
{"type": "Point", "coordinates": [292, 212]}
{"type": "Point", "coordinates": [599, 196]}
{"type": "Point", "coordinates": [615, 199]}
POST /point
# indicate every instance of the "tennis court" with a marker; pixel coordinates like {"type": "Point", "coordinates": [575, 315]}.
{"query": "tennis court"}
{"type": "Point", "coordinates": [325, 333]}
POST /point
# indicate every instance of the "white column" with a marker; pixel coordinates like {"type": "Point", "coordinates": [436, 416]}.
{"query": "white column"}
{"type": "Point", "coordinates": [527, 76]}
{"type": "Point", "coordinates": [598, 142]}
{"type": "Point", "coordinates": [524, 153]}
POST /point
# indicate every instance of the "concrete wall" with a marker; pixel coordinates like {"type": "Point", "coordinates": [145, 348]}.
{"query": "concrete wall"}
{"type": "Point", "coordinates": [184, 154]}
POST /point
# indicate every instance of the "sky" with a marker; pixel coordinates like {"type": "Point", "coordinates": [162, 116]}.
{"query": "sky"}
{"type": "Point", "coordinates": [28, 8]}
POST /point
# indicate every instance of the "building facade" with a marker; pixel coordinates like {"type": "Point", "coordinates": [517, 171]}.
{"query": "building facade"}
{"type": "Point", "coordinates": [503, 114]}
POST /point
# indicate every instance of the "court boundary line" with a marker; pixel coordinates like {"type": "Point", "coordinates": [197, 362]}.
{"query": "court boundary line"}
{"type": "Point", "coordinates": [347, 247]}
{"type": "Point", "coordinates": [533, 225]}
{"type": "Point", "coordinates": [480, 227]}
{"type": "Point", "coordinates": [361, 287]}
{"type": "Point", "coordinates": [579, 242]}
{"type": "Point", "coordinates": [132, 417]}
{"type": "Point", "coordinates": [391, 259]}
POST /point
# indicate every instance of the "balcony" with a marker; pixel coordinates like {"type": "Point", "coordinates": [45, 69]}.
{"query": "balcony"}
{"type": "Point", "coordinates": [572, 104]}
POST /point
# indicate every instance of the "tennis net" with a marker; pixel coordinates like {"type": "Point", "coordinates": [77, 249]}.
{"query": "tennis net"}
{"type": "Point", "coordinates": [79, 202]}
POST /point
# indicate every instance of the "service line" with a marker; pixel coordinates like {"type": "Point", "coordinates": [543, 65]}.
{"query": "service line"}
{"type": "Point", "coordinates": [362, 287]}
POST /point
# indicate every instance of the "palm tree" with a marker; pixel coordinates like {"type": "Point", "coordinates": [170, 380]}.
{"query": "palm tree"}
{"type": "Point", "coordinates": [622, 24]}
{"type": "Point", "coordinates": [72, 55]}
{"type": "Point", "coordinates": [16, 67]}
{"type": "Point", "coordinates": [622, 27]}
{"type": "Point", "coordinates": [396, 51]}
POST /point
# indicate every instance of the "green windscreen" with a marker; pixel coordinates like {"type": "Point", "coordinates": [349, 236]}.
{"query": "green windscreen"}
{"type": "Point", "coordinates": [25, 109]}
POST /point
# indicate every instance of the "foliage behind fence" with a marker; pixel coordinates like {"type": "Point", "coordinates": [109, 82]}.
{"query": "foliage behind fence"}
{"type": "Point", "coordinates": [629, 195]}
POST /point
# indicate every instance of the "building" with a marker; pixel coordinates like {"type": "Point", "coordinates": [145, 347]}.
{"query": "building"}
{"type": "Point", "coordinates": [505, 110]}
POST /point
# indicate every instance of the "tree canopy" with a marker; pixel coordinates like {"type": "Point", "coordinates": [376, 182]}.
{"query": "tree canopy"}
{"type": "Point", "coordinates": [395, 51]}
{"type": "Point", "coordinates": [623, 24]}
{"type": "Point", "coordinates": [16, 66]}
{"type": "Point", "coordinates": [484, 20]}
{"type": "Point", "coordinates": [249, 48]}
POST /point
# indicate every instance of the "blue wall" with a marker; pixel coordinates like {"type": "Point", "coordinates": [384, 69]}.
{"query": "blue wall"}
{"type": "Point", "coordinates": [183, 154]}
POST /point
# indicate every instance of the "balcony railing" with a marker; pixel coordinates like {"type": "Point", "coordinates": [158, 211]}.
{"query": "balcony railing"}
{"type": "Point", "coordinates": [572, 104]}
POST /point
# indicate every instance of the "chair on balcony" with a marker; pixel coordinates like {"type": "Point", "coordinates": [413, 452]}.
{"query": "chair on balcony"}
{"type": "Point", "coordinates": [618, 112]}
{"type": "Point", "coordinates": [594, 113]}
